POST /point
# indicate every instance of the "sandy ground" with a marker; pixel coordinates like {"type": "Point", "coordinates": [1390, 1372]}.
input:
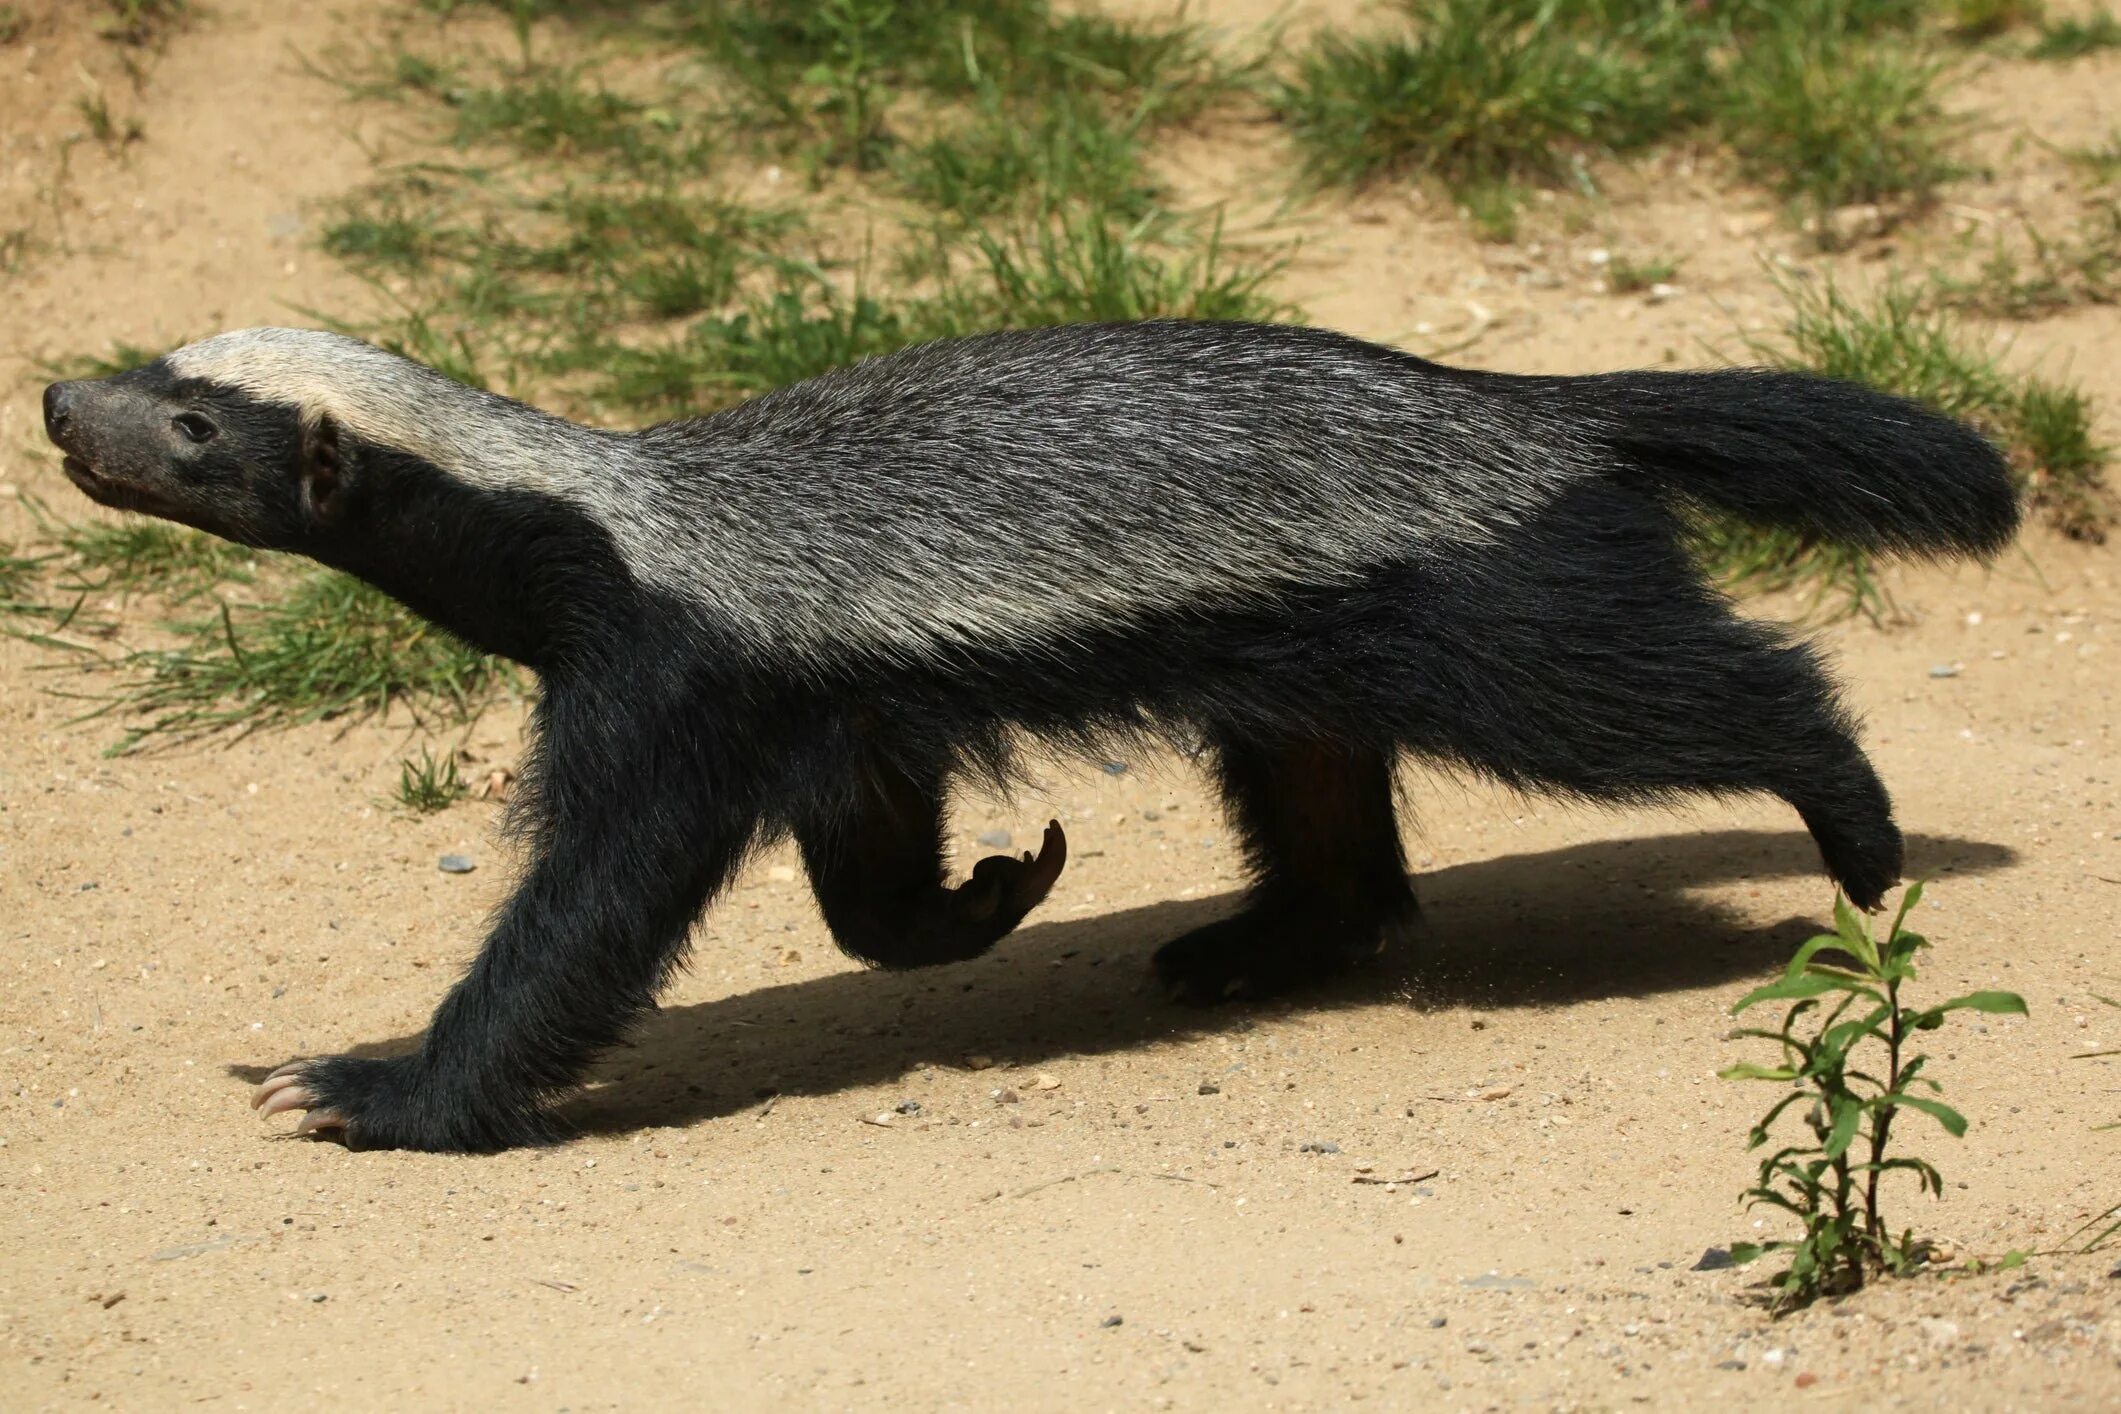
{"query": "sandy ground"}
{"type": "Point", "coordinates": [1100, 1201]}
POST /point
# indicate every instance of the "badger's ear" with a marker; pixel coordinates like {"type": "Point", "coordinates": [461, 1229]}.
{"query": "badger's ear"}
{"type": "Point", "coordinates": [324, 470]}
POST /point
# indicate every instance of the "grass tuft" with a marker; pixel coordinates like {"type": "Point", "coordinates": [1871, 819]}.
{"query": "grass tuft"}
{"type": "Point", "coordinates": [1972, 21]}
{"type": "Point", "coordinates": [1830, 102]}
{"type": "Point", "coordinates": [1482, 92]}
{"type": "Point", "coordinates": [330, 648]}
{"type": "Point", "coordinates": [2073, 38]}
{"type": "Point", "coordinates": [1829, 115]}
{"type": "Point", "coordinates": [2053, 274]}
{"type": "Point", "coordinates": [427, 785]}
{"type": "Point", "coordinates": [142, 22]}
{"type": "Point", "coordinates": [1627, 276]}
{"type": "Point", "coordinates": [19, 573]}
{"type": "Point", "coordinates": [1900, 341]}
{"type": "Point", "coordinates": [136, 555]}
{"type": "Point", "coordinates": [123, 358]}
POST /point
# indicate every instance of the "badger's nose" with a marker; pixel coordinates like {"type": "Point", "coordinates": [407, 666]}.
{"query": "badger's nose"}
{"type": "Point", "coordinates": [58, 409]}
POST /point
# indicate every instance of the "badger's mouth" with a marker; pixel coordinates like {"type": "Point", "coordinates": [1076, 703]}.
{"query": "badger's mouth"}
{"type": "Point", "coordinates": [107, 491]}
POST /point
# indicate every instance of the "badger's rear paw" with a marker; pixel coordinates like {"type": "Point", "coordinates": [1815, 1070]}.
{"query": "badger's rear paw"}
{"type": "Point", "coordinates": [1261, 953]}
{"type": "Point", "coordinates": [394, 1104]}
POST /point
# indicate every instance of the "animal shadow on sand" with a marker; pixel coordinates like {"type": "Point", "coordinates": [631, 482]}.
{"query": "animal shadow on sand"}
{"type": "Point", "coordinates": [1614, 918]}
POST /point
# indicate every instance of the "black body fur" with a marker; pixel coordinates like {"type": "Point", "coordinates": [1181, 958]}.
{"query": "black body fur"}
{"type": "Point", "coordinates": [1575, 650]}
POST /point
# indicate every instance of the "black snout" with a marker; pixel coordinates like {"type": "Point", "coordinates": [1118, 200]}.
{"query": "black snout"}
{"type": "Point", "coordinates": [58, 410]}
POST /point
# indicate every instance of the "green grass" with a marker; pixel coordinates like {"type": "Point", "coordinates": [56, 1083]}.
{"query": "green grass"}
{"type": "Point", "coordinates": [105, 126]}
{"type": "Point", "coordinates": [1480, 92]}
{"type": "Point", "coordinates": [2074, 38]}
{"type": "Point", "coordinates": [2050, 274]}
{"type": "Point", "coordinates": [1830, 107]}
{"type": "Point", "coordinates": [142, 22]}
{"type": "Point", "coordinates": [427, 785]}
{"type": "Point", "coordinates": [1900, 340]}
{"type": "Point", "coordinates": [1627, 276]}
{"type": "Point", "coordinates": [136, 555]}
{"type": "Point", "coordinates": [1829, 102]}
{"type": "Point", "coordinates": [1972, 21]}
{"type": "Point", "coordinates": [326, 648]}
{"type": "Point", "coordinates": [997, 156]}
{"type": "Point", "coordinates": [19, 577]}
{"type": "Point", "coordinates": [845, 81]}
{"type": "Point", "coordinates": [1060, 269]}
{"type": "Point", "coordinates": [608, 272]}
{"type": "Point", "coordinates": [123, 357]}
{"type": "Point", "coordinates": [2102, 162]}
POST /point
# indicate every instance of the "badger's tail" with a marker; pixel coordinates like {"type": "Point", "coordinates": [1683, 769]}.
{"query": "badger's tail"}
{"type": "Point", "coordinates": [1826, 458]}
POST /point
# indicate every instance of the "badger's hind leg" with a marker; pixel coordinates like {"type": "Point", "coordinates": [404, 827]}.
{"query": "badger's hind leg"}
{"type": "Point", "coordinates": [876, 865]}
{"type": "Point", "coordinates": [1329, 887]}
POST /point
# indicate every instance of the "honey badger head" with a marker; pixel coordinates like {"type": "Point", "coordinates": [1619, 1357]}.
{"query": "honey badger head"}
{"type": "Point", "coordinates": [191, 450]}
{"type": "Point", "coordinates": [264, 435]}
{"type": "Point", "coordinates": [311, 442]}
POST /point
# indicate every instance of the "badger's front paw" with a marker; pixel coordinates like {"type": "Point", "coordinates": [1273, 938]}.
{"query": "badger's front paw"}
{"type": "Point", "coordinates": [399, 1103]}
{"type": "Point", "coordinates": [1003, 889]}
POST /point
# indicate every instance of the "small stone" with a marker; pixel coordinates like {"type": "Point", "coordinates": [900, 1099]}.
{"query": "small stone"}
{"type": "Point", "coordinates": [1944, 670]}
{"type": "Point", "coordinates": [781, 874]}
{"type": "Point", "coordinates": [1007, 1097]}
{"type": "Point", "coordinates": [994, 839]}
{"type": "Point", "coordinates": [1660, 292]}
{"type": "Point", "coordinates": [1209, 1087]}
{"type": "Point", "coordinates": [979, 1062]}
{"type": "Point", "coordinates": [456, 864]}
{"type": "Point", "coordinates": [1114, 768]}
{"type": "Point", "coordinates": [1318, 1146]}
{"type": "Point", "coordinates": [1730, 1364]}
{"type": "Point", "coordinates": [1043, 1081]}
{"type": "Point", "coordinates": [1939, 1332]}
{"type": "Point", "coordinates": [908, 1107]}
{"type": "Point", "coordinates": [319, 1297]}
{"type": "Point", "coordinates": [1112, 1322]}
{"type": "Point", "coordinates": [1714, 1259]}
{"type": "Point", "coordinates": [1437, 1323]}
{"type": "Point", "coordinates": [1807, 1380]}
{"type": "Point", "coordinates": [1773, 1358]}
{"type": "Point", "coordinates": [1493, 1092]}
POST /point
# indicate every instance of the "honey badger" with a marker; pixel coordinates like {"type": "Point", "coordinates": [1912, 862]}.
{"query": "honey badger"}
{"type": "Point", "coordinates": [807, 615]}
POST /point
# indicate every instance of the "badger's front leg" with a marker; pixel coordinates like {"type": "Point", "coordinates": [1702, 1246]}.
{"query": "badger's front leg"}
{"type": "Point", "coordinates": [633, 835]}
{"type": "Point", "coordinates": [876, 866]}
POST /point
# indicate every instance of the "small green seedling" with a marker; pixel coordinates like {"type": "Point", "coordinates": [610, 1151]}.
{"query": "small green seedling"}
{"type": "Point", "coordinates": [1851, 1071]}
{"type": "Point", "coordinates": [426, 785]}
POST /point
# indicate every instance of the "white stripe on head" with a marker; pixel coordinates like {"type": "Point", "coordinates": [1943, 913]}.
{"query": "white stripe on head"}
{"type": "Point", "coordinates": [478, 437]}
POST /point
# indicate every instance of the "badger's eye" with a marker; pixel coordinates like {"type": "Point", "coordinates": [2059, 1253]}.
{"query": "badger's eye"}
{"type": "Point", "coordinates": [195, 426]}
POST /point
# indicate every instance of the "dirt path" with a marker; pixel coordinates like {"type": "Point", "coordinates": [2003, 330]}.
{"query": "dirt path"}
{"type": "Point", "coordinates": [1083, 1198]}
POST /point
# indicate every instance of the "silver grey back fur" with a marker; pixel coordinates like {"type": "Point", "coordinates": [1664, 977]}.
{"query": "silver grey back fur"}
{"type": "Point", "coordinates": [1006, 488]}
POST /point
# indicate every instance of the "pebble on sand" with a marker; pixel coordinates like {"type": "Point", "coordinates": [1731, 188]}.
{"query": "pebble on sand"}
{"type": "Point", "coordinates": [456, 864]}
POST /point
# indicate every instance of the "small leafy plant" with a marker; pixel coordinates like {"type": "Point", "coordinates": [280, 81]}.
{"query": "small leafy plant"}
{"type": "Point", "coordinates": [1848, 1058]}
